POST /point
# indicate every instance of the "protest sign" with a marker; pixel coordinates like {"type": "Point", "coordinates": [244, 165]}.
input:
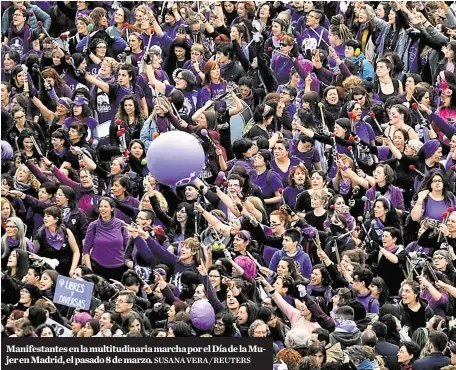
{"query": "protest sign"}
{"type": "Point", "coordinates": [73, 293]}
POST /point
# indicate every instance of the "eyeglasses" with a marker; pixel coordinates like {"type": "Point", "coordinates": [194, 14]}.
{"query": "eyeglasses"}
{"type": "Point", "coordinates": [275, 224]}
{"type": "Point", "coordinates": [219, 323]}
{"type": "Point", "coordinates": [11, 227]}
{"type": "Point", "coordinates": [438, 258]}
{"type": "Point", "coordinates": [120, 301]}
{"type": "Point", "coordinates": [311, 16]}
{"type": "Point", "coordinates": [18, 15]}
{"type": "Point", "coordinates": [437, 181]}
{"type": "Point", "coordinates": [141, 218]}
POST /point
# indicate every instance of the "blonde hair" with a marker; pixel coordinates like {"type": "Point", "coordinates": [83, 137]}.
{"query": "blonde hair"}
{"type": "Point", "coordinates": [147, 12]}
{"type": "Point", "coordinates": [197, 47]}
{"type": "Point", "coordinates": [352, 81]}
{"type": "Point", "coordinates": [161, 100]}
{"type": "Point", "coordinates": [32, 180]}
{"type": "Point", "coordinates": [257, 203]}
{"type": "Point", "coordinates": [345, 159]}
{"type": "Point", "coordinates": [321, 195]}
{"type": "Point", "coordinates": [113, 63]}
{"type": "Point", "coordinates": [195, 246]}
{"type": "Point", "coordinates": [3, 201]}
{"type": "Point", "coordinates": [161, 200]}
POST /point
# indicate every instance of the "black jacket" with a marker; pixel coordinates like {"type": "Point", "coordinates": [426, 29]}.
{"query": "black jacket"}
{"type": "Point", "coordinates": [233, 71]}
{"type": "Point", "coordinates": [433, 361]}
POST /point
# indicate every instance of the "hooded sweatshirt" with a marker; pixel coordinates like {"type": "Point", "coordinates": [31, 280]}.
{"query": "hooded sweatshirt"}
{"type": "Point", "coordinates": [365, 69]}
{"type": "Point", "coordinates": [346, 333]}
{"type": "Point", "coordinates": [305, 266]}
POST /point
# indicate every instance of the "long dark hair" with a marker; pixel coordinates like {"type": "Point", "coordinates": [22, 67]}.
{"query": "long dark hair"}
{"type": "Point", "coordinates": [448, 196]}
{"type": "Point", "coordinates": [382, 288]}
{"type": "Point", "coordinates": [122, 115]}
{"type": "Point", "coordinates": [22, 265]}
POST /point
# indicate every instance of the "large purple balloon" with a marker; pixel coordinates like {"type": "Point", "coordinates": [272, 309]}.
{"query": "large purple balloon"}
{"type": "Point", "coordinates": [175, 158]}
{"type": "Point", "coordinates": [202, 315]}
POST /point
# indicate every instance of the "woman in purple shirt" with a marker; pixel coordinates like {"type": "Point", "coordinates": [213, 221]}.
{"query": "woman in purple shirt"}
{"type": "Point", "coordinates": [105, 243]}
{"type": "Point", "coordinates": [81, 113]}
{"type": "Point", "coordinates": [434, 198]}
{"type": "Point", "coordinates": [282, 164]}
{"type": "Point", "coordinates": [120, 189]}
{"type": "Point", "coordinates": [213, 85]}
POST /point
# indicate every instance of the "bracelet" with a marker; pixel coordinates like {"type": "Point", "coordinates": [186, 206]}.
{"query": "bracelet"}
{"type": "Point", "coordinates": [271, 292]}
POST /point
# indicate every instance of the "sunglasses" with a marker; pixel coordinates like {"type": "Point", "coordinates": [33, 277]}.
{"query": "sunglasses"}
{"type": "Point", "coordinates": [284, 44]}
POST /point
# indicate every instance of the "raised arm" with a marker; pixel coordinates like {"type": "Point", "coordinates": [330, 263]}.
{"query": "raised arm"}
{"type": "Point", "coordinates": [48, 115]}
{"type": "Point", "coordinates": [218, 226]}
{"type": "Point", "coordinates": [104, 86]}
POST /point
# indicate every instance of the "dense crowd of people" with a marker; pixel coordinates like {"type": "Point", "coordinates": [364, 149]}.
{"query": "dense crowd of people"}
{"type": "Point", "coordinates": [323, 216]}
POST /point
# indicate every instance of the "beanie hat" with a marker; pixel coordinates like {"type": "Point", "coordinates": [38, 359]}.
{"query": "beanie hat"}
{"type": "Point", "coordinates": [282, 22]}
{"type": "Point", "coordinates": [430, 147]}
{"type": "Point", "coordinates": [80, 100]}
{"type": "Point", "coordinates": [65, 102]}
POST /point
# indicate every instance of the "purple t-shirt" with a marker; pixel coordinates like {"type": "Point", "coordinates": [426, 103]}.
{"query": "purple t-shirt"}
{"type": "Point", "coordinates": [309, 158]}
{"type": "Point", "coordinates": [208, 92]}
{"type": "Point", "coordinates": [364, 131]}
{"type": "Point", "coordinates": [268, 188]}
{"type": "Point", "coordinates": [284, 175]}
{"type": "Point", "coordinates": [435, 208]}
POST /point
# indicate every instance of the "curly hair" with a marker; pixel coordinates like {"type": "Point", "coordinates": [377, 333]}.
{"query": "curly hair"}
{"type": "Point", "coordinates": [122, 114]}
{"type": "Point", "coordinates": [290, 357]}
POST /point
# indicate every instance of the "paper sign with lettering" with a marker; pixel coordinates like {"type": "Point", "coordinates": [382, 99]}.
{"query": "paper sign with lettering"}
{"type": "Point", "coordinates": [73, 293]}
{"type": "Point", "coordinates": [59, 329]}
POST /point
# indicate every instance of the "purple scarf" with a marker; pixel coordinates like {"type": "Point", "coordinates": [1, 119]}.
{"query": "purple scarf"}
{"type": "Point", "coordinates": [56, 241]}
